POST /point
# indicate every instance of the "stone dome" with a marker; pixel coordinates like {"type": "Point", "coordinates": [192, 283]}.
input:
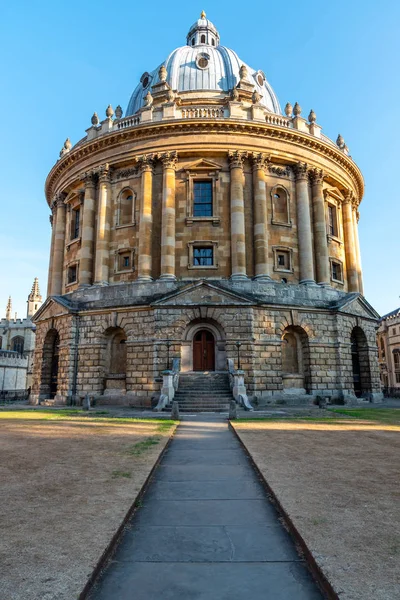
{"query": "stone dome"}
{"type": "Point", "coordinates": [204, 66]}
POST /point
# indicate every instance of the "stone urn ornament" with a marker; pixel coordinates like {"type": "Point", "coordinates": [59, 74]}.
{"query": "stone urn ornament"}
{"type": "Point", "coordinates": [297, 109]}
{"type": "Point", "coordinates": [95, 119]}
{"type": "Point", "coordinates": [162, 74]}
{"type": "Point", "coordinates": [109, 112]}
{"type": "Point", "coordinates": [148, 99]}
{"type": "Point", "coordinates": [119, 112]}
{"type": "Point", "coordinates": [312, 117]}
{"type": "Point", "coordinates": [288, 109]}
{"type": "Point", "coordinates": [256, 97]}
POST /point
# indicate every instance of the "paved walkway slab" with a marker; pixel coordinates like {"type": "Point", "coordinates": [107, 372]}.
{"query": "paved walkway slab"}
{"type": "Point", "coordinates": [206, 530]}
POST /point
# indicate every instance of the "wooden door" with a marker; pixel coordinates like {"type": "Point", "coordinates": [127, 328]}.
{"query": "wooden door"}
{"type": "Point", "coordinates": [203, 351]}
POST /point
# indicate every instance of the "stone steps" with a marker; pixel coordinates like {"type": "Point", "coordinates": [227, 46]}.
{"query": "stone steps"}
{"type": "Point", "coordinates": [198, 392]}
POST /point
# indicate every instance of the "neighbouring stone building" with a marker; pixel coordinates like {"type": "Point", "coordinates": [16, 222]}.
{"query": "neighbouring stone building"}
{"type": "Point", "coordinates": [204, 217]}
{"type": "Point", "coordinates": [389, 352]}
{"type": "Point", "coordinates": [17, 343]}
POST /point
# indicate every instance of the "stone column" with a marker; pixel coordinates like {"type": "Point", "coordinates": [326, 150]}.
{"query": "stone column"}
{"type": "Point", "coordinates": [101, 270]}
{"type": "Point", "coordinates": [87, 234]}
{"type": "Point", "coordinates": [59, 247]}
{"type": "Point", "coordinates": [146, 219]}
{"type": "Point", "coordinates": [260, 217]}
{"type": "Point", "coordinates": [168, 217]}
{"type": "Point", "coordinates": [356, 218]}
{"type": "Point", "coordinates": [238, 240]}
{"type": "Point", "coordinates": [306, 258]}
{"type": "Point", "coordinates": [53, 230]}
{"type": "Point", "coordinates": [320, 237]}
{"type": "Point", "coordinates": [349, 245]}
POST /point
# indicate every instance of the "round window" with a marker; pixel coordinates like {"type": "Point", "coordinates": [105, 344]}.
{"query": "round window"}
{"type": "Point", "coordinates": [202, 61]}
{"type": "Point", "coordinates": [145, 80]}
{"type": "Point", "coordinates": [260, 80]}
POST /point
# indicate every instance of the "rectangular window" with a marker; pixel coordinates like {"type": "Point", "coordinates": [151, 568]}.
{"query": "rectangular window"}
{"type": "Point", "coordinates": [396, 358]}
{"type": "Point", "coordinates": [282, 260]}
{"type": "Point", "coordinates": [332, 220]}
{"type": "Point", "coordinates": [124, 261]}
{"type": "Point", "coordinates": [202, 199]}
{"type": "Point", "coordinates": [397, 377]}
{"type": "Point", "coordinates": [203, 257]}
{"type": "Point", "coordinates": [72, 274]}
{"type": "Point", "coordinates": [394, 331]}
{"type": "Point", "coordinates": [75, 218]}
{"type": "Point", "coordinates": [337, 271]}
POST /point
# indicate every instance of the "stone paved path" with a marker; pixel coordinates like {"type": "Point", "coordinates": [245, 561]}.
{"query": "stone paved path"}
{"type": "Point", "coordinates": [206, 530]}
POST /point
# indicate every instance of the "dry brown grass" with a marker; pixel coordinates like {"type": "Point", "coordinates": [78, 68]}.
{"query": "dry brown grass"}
{"type": "Point", "coordinates": [339, 483]}
{"type": "Point", "coordinates": [65, 487]}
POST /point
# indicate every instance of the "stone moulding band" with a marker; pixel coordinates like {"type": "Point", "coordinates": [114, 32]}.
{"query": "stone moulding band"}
{"type": "Point", "coordinates": [177, 127]}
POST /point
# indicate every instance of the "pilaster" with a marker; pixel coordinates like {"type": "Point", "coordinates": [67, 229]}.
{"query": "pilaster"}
{"type": "Point", "coordinates": [101, 271]}
{"type": "Point", "coordinates": [168, 160]}
{"type": "Point", "coordinates": [238, 241]}
{"type": "Point", "coordinates": [259, 162]}
{"type": "Point", "coordinates": [320, 238]}
{"type": "Point", "coordinates": [306, 258]}
{"type": "Point", "coordinates": [88, 225]}
{"type": "Point", "coordinates": [146, 163]}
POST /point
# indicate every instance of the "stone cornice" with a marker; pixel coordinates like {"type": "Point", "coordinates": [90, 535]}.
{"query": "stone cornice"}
{"type": "Point", "coordinates": [158, 130]}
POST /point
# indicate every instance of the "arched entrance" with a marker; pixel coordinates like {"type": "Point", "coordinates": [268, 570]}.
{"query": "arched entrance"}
{"type": "Point", "coordinates": [50, 360]}
{"type": "Point", "coordinates": [360, 362]}
{"type": "Point", "coordinates": [295, 361]}
{"type": "Point", "coordinates": [203, 351]}
{"type": "Point", "coordinates": [115, 361]}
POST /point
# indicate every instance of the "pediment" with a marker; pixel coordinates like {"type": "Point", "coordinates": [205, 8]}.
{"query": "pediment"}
{"type": "Point", "coordinates": [54, 306]}
{"type": "Point", "coordinates": [203, 165]}
{"type": "Point", "coordinates": [357, 305]}
{"type": "Point", "coordinates": [203, 294]}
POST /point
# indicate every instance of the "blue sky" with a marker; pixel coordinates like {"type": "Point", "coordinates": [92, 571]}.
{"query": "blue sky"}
{"type": "Point", "coordinates": [63, 61]}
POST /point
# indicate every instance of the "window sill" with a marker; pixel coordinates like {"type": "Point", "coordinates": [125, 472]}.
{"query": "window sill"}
{"type": "Point", "coordinates": [125, 226]}
{"type": "Point", "coordinates": [281, 224]}
{"type": "Point", "coordinates": [333, 238]}
{"type": "Point", "coordinates": [74, 241]}
{"type": "Point", "coordinates": [122, 271]}
{"type": "Point", "coordinates": [71, 283]}
{"type": "Point", "coordinates": [191, 220]}
{"type": "Point", "coordinates": [278, 270]}
{"type": "Point", "coordinates": [337, 281]}
{"type": "Point", "coordinates": [207, 267]}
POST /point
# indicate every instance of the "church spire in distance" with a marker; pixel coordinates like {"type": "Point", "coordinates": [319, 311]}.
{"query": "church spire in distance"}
{"type": "Point", "coordinates": [34, 299]}
{"type": "Point", "coordinates": [9, 309]}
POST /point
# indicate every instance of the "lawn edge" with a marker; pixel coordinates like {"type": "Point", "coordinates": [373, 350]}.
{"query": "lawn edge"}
{"type": "Point", "coordinates": [112, 545]}
{"type": "Point", "coordinates": [317, 573]}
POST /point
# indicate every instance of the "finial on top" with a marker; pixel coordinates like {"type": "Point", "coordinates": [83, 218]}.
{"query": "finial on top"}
{"type": "Point", "coordinates": [312, 117]}
{"type": "Point", "coordinates": [8, 309]}
{"type": "Point", "coordinates": [203, 15]}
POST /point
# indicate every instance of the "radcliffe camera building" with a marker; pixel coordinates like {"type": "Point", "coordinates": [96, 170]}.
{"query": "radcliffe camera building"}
{"type": "Point", "coordinates": [202, 217]}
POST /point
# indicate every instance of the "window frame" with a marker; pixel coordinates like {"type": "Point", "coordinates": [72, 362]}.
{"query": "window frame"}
{"type": "Point", "coordinates": [21, 340]}
{"type": "Point", "coordinates": [276, 250]}
{"type": "Point", "coordinates": [197, 181]}
{"type": "Point", "coordinates": [203, 244]}
{"type": "Point", "coordinates": [68, 267]}
{"type": "Point", "coordinates": [117, 258]}
{"type": "Point", "coordinates": [336, 261]}
{"type": "Point", "coordinates": [202, 170]}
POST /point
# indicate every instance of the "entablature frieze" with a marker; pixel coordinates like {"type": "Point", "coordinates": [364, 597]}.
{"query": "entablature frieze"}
{"type": "Point", "coordinates": [99, 147]}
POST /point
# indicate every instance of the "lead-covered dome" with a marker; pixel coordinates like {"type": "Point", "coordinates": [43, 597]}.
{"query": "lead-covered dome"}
{"type": "Point", "coordinates": [204, 66]}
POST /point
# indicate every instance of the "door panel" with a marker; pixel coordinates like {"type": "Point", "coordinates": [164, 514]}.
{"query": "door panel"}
{"type": "Point", "coordinates": [203, 351]}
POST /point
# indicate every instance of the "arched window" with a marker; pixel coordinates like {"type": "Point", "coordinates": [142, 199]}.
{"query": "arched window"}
{"type": "Point", "coordinates": [116, 351]}
{"type": "Point", "coordinates": [290, 361]}
{"type": "Point", "coordinates": [296, 373]}
{"type": "Point", "coordinates": [203, 39]}
{"type": "Point", "coordinates": [280, 206]}
{"type": "Point", "coordinates": [382, 348]}
{"type": "Point", "coordinates": [193, 41]}
{"type": "Point", "coordinates": [125, 208]}
{"type": "Point", "coordinates": [17, 344]}
{"type": "Point", "coordinates": [213, 42]}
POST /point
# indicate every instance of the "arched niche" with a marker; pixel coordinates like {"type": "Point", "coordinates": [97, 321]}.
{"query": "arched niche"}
{"type": "Point", "coordinates": [295, 361]}
{"type": "Point", "coordinates": [126, 207]}
{"type": "Point", "coordinates": [361, 369]}
{"type": "Point", "coordinates": [280, 205]}
{"type": "Point", "coordinates": [115, 361]}
{"type": "Point", "coordinates": [188, 340]}
{"type": "Point", "coordinates": [49, 380]}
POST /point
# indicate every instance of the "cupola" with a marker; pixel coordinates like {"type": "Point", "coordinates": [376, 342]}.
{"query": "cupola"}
{"type": "Point", "coordinates": [203, 33]}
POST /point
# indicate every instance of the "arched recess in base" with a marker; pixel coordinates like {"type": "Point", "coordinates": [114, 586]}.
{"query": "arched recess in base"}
{"type": "Point", "coordinates": [360, 362]}
{"type": "Point", "coordinates": [115, 361]}
{"type": "Point", "coordinates": [296, 373]}
{"type": "Point", "coordinates": [49, 381]}
{"type": "Point", "coordinates": [192, 334]}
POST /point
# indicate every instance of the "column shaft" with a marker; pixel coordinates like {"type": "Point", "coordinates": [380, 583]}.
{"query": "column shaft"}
{"type": "Point", "coordinates": [351, 259]}
{"type": "Point", "coordinates": [320, 237]}
{"type": "Point", "coordinates": [357, 246]}
{"type": "Point", "coordinates": [101, 270]}
{"type": "Point", "coordinates": [53, 231]}
{"type": "Point", "coordinates": [146, 221]}
{"type": "Point", "coordinates": [306, 258]}
{"type": "Point", "coordinates": [238, 239]}
{"type": "Point", "coordinates": [260, 217]}
{"type": "Point", "coordinates": [168, 217]}
{"type": "Point", "coordinates": [87, 234]}
{"type": "Point", "coordinates": [59, 248]}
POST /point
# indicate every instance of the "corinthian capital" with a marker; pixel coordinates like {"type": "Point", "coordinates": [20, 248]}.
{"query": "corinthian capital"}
{"type": "Point", "coordinates": [169, 159]}
{"type": "Point", "coordinates": [58, 200]}
{"type": "Point", "coordinates": [317, 176]}
{"type": "Point", "coordinates": [259, 160]}
{"type": "Point", "coordinates": [349, 197]}
{"type": "Point", "coordinates": [88, 178]}
{"type": "Point", "coordinates": [104, 172]}
{"type": "Point", "coordinates": [300, 170]}
{"type": "Point", "coordinates": [236, 158]}
{"type": "Point", "coordinates": [146, 162]}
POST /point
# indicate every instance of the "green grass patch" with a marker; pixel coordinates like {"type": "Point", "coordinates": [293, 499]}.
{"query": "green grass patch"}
{"type": "Point", "coordinates": [382, 415]}
{"type": "Point", "coordinates": [119, 474]}
{"type": "Point", "coordinates": [141, 447]}
{"type": "Point", "coordinates": [51, 414]}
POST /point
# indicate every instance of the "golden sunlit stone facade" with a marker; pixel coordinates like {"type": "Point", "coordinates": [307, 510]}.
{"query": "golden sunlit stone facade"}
{"type": "Point", "coordinates": [205, 209]}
